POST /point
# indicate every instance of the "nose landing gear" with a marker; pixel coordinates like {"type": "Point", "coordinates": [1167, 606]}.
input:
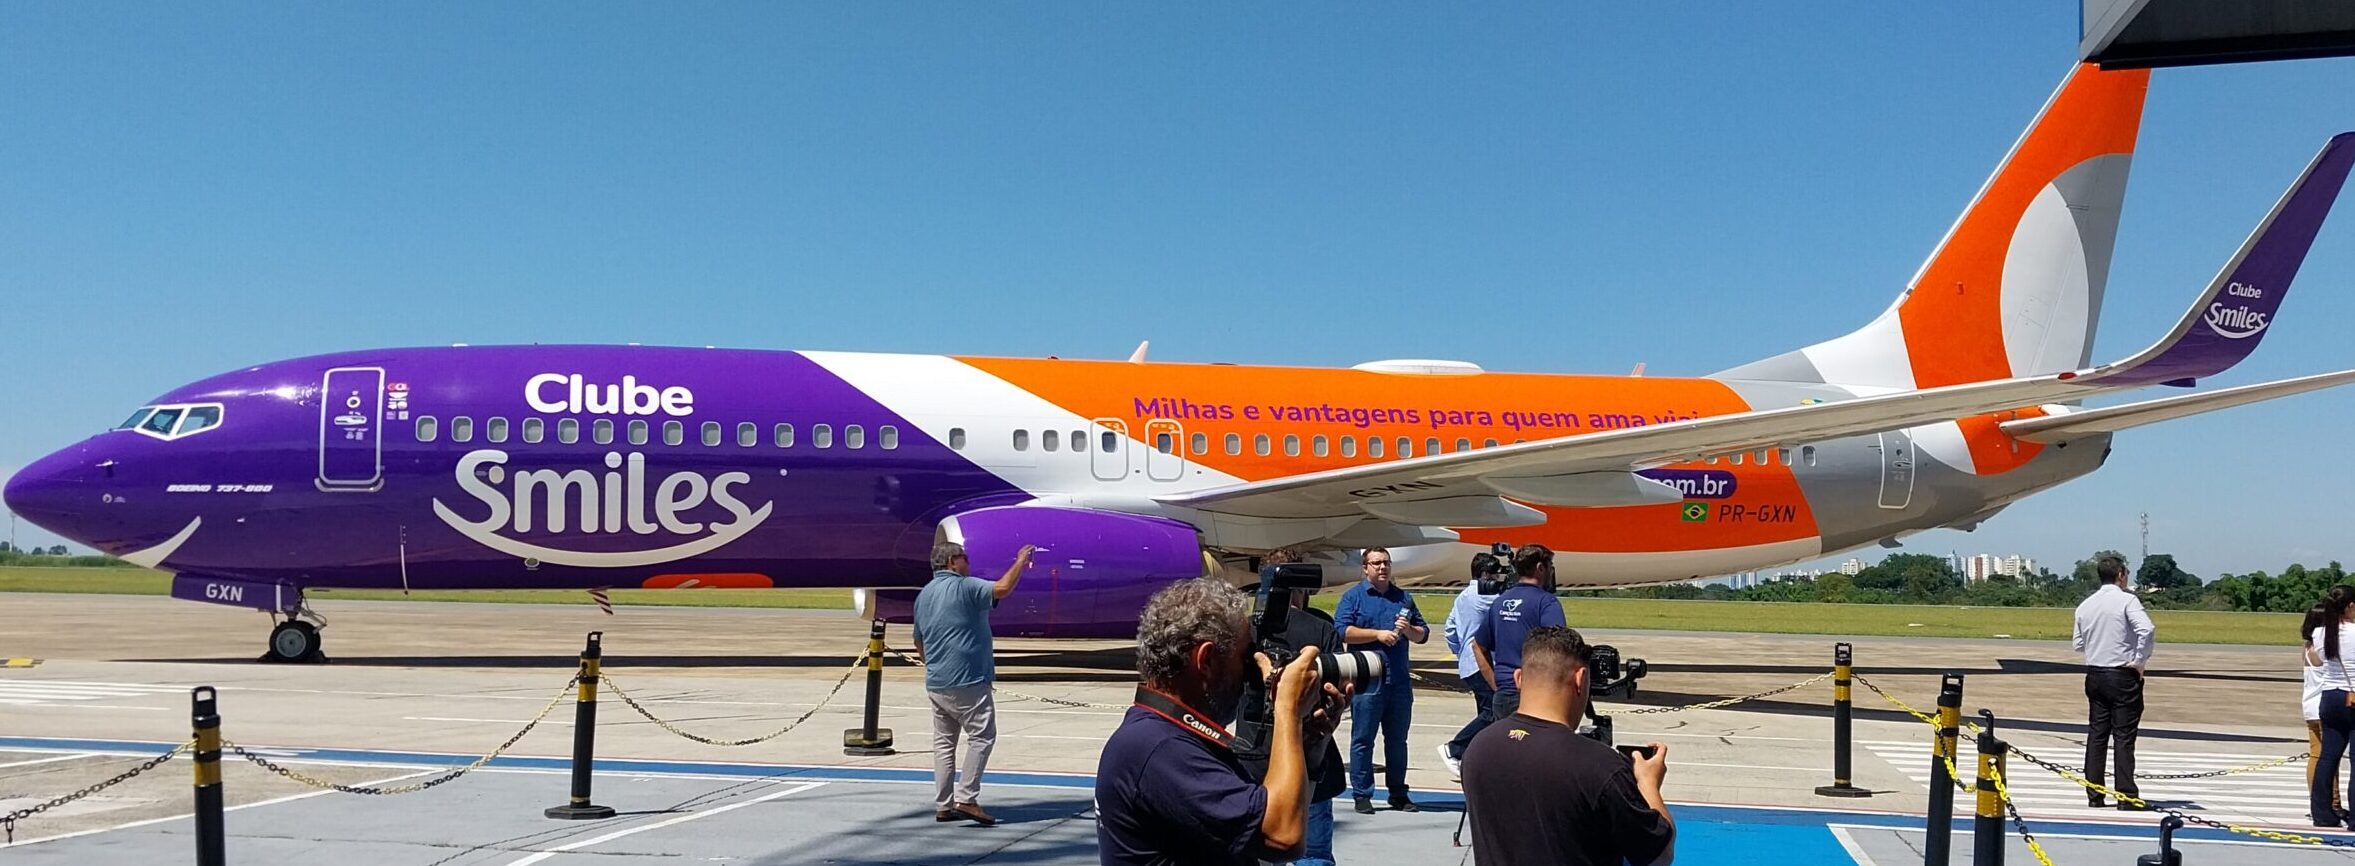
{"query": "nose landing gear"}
{"type": "Point", "coordinates": [295, 639]}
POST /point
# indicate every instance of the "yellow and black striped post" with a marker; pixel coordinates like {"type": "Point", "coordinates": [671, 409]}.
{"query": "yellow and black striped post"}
{"type": "Point", "coordinates": [1843, 726]}
{"type": "Point", "coordinates": [1940, 846]}
{"type": "Point", "coordinates": [867, 739]}
{"type": "Point", "coordinates": [584, 737]}
{"type": "Point", "coordinates": [1987, 832]}
{"type": "Point", "coordinates": [205, 717]}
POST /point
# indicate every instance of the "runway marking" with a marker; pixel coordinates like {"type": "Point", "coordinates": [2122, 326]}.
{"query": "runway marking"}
{"type": "Point", "coordinates": [1855, 851]}
{"type": "Point", "coordinates": [48, 760]}
{"type": "Point", "coordinates": [1750, 767]}
{"type": "Point", "coordinates": [485, 721]}
{"type": "Point", "coordinates": [187, 815]}
{"type": "Point", "coordinates": [629, 831]}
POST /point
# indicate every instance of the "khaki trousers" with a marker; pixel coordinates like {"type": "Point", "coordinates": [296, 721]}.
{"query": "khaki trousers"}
{"type": "Point", "coordinates": [972, 714]}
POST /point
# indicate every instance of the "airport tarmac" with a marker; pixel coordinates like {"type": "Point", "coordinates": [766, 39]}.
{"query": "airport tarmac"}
{"type": "Point", "coordinates": [414, 688]}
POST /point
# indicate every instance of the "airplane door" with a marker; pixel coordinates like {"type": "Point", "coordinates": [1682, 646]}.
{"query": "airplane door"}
{"type": "Point", "coordinates": [1165, 450]}
{"type": "Point", "coordinates": [1896, 469]}
{"type": "Point", "coordinates": [351, 429]}
{"type": "Point", "coordinates": [1109, 453]}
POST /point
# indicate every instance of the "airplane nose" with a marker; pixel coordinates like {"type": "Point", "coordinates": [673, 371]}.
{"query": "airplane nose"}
{"type": "Point", "coordinates": [58, 493]}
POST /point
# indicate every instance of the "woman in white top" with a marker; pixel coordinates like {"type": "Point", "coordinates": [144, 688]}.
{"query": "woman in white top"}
{"type": "Point", "coordinates": [2335, 713]}
{"type": "Point", "coordinates": [2316, 617]}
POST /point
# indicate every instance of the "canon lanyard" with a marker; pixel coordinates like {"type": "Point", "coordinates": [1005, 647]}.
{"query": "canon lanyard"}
{"type": "Point", "coordinates": [1184, 717]}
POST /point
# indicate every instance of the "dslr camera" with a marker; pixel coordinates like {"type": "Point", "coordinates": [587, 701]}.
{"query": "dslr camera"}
{"type": "Point", "coordinates": [1276, 585]}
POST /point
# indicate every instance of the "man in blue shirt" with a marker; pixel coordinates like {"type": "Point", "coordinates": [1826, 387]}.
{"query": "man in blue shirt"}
{"type": "Point", "coordinates": [1526, 606]}
{"type": "Point", "coordinates": [1377, 615]}
{"type": "Point", "coordinates": [1470, 608]}
{"type": "Point", "coordinates": [953, 638]}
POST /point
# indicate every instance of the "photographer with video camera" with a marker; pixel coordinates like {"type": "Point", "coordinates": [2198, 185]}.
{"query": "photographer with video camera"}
{"type": "Point", "coordinates": [1169, 787]}
{"type": "Point", "coordinates": [1491, 572]}
{"type": "Point", "coordinates": [1528, 604]}
{"type": "Point", "coordinates": [1539, 793]}
{"type": "Point", "coordinates": [1282, 625]}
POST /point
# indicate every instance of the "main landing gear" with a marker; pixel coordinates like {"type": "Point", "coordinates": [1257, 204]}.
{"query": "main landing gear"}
{"type": "Point", "coordinates": [295, 639]}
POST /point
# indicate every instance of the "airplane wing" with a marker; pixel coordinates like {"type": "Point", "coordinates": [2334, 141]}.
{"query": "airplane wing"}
{"type": "Point", "coordinates": [2056, 427]}
{"type": "Point", "coordinates": [1485, 488]}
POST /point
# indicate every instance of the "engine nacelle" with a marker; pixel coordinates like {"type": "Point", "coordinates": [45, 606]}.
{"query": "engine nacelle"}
{"type": "Point", "coordinates": [1092, 574]}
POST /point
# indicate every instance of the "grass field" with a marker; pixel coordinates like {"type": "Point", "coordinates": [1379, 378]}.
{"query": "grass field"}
{"type": "Point", "coordinates": [1843, 620]}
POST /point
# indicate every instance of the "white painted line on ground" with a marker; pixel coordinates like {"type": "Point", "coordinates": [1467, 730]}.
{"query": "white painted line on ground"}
{"type": "Point", "coordinates": [1059, 737]}
{"type": "Point", "coordinates": [628, 831]}
{"type": "Point", "coordinates": [1855, 851]}
{"type": "Point", "coordinates": [188, 815]}
{"type": "Point", "coordinates": [1751, 767]}
{"type": "Point", "coordinates": [486, 721]}
{"type": "Point", "coordinates": [2126, 836]}
{"type": "Point", "coordinates": [48, 760]}
{"type": "Point", "coordinates": [52, 706]}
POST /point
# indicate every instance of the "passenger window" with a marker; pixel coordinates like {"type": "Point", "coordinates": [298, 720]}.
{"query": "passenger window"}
{"type": "Point", "coordinates": [199, 418]}
{"type": "Point", "coordinates": [461, 429]}
{"type": "Point", "coordinates": [1291, 445]}
{"type": "Point", "coordinates": [1111, 441]}
{"type": "Point", "coordinates": [161, 422]}
{"type": "Point", "coordinates": [822, 435]}
{"type": "Point", "coordinates": [784, 436]}
{"type": "Point", "coordinates": [711, 433]}
{"type": "Point", "coordinates": [1762, 461]}
{"type": "Point", "coordinates": [494, 430]}
{"type": "Point", "coordinates": [1406, 447]}
{"type": "Point", "coordinates": [747, 434]}
{"type": "Point", "coordinates": [1374, 447]}
{"type": "Point", "coordinates": [1021, 440]}
{"type": "Point", "coordinates": [1079, 440]}
{"type": "Point", "coordinates": [1783, 454]}
{"type": "Point", "coordinates": [1349, 446]}
{"type": "Point", "coordinates": [1430, 447]}
{"type": "Point", "coordinates": [601, 431]}
{"type": "Point", "coordinates": [1807, 453]}
{"type": "Point", "coordinates": [673, 433]}
{"type": "Point", "coordinates": [534, 430]}
{"type": "Point", "coordinates": [1201, 443]}
{"type": "Point", "coordinates": [1234, 444]}
{"type": "Point", "coordinates": [1711, 460]}
{"type": "Point", "coordinates": [854, 437]}
{"type": "Point", "coordinates": [568, 430]}
{"type": "Point", "coordinates": [1463, 445]}
{"type": "Point", "coordinates": [1259, 445]}
{"type": "Point", "coordinates": [425, 428]}
{"type": "Point", "coordinates": [638, 432]}
{"type": "Point", "coordinates": [1162, 443]}
{"type": "Point", "coordinates": [1049, 440]}
{"type": "Point", "coordinates": [1739, 455]}
{"type": "Point", "coordinates": [1490, 444]}
{"type": "Point", "coordinates": [1318, 446]}
{"type": "Point", "coordinates": [136, 417]}
{"type": "Point", "coordinates": [956, 438]}
{"type": "Point", "coordinates": [888, 437]}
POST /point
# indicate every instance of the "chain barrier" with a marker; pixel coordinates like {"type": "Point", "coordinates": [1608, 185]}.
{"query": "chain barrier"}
{"type": "Point", "coordinates": [633, 704]}
{"type": "Point", "coordinates": [449, 776]}
{"type": "Point", "coordinates": [1727, 702]}
{"type": "Point", "coordinates": [1022, 696]}
{"type": "Point", "coordinates": [2003, 794]}
{"type": "Point", "coordinates": [2259, 832]}
{"type": "Point", "coordinates": [8, 821]}
{"type": "Point", "coordinates": [1974, 728]}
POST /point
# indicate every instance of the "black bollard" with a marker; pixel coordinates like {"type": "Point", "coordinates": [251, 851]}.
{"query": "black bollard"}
{"type": "Point", "coordinates": [1987, 831]}
{"type": "Point", "coordinates": [1843, 727]}
{"type": "Point", "coordinates": [1940, 846]}
{"type": "Point", "coordinates": [205, 718]}
{"type": "Point", "coordinates": [2167, 855]}
{"type": "Point", "coordinates": [584, 737]}
{"type": "Point", "coordinates": [867, 739]}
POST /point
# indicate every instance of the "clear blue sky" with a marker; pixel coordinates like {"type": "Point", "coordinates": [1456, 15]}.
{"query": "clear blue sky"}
{"type": "Point", "coordinates": [1547, 187]}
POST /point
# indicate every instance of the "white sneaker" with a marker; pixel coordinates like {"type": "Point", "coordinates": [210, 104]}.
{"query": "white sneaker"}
{"type": "Point", "coordinates": [1455, 766]}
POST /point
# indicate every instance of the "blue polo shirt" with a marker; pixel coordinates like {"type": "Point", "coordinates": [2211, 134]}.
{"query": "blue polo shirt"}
{"type": "Point", "coordinates": [952, 624]}
{"type": "Point", "coordinates": [1516, 613]}
{"type": "Point", "coordinates": [1362, 607]}
{"type": "Point", "coordinates": [1165, 796]}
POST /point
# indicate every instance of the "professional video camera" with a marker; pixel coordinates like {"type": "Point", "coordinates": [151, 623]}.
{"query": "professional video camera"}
{"type": "Point", "coordinates": [1492, 570]}
{"type": "Point", "coordinates": [1608, 676]}
{"type": "Point", "coordinates": [1276, 585]}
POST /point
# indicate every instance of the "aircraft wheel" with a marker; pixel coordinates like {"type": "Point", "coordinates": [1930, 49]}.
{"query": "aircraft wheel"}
{"type": "Point", "coordinates": [294, 641]}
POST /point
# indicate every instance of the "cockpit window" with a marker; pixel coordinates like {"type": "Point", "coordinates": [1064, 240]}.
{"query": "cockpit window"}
{"type": "Point", "coordinates": [135, 418]}
{"type": "Point", "coordinates": [161, 422]}
{"type": "Point", "coordinates": [199, 418]}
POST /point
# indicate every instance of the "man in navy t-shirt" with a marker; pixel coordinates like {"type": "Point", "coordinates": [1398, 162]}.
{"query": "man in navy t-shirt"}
{"type": "Point", "coordinates": [1169, 788]}
{"type": "Point", "coordinates": [1527, 605]}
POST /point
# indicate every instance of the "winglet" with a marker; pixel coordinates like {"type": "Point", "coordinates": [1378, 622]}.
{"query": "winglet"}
{"type": "Point", "coordinates": [2228, 321]}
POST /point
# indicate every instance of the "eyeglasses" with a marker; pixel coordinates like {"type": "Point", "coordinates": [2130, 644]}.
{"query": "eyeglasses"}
{"type": "Point", "coordinates": [1377, 563]}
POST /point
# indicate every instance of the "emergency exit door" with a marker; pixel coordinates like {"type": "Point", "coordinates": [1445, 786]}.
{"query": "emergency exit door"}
{"type": "Point", "coordinates": [1897, 465]}
{"type": "Point", "coordinates": [351, 429]}
{"type": "Point", "coordinates": [1165, 450]}
{"type": "Point", "coordinates": [1108, 455]}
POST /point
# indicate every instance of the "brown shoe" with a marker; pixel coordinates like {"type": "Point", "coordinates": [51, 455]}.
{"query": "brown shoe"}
{"type": "Point", "coordinates": [946, 815]}
{"type": "Point", "coordinates": [972, 812]}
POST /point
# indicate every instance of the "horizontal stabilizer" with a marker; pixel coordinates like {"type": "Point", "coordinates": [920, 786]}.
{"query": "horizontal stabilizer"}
{"type": "Point", "coordinates": [2054, 428]}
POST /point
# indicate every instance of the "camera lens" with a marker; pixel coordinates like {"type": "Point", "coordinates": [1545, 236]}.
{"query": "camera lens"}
{"type": "Point", "coordinates": [1349, 667]}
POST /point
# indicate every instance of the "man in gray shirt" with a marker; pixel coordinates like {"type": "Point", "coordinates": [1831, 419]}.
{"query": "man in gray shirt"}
{"type": "Point", "coordinates": [953, 638]}
{"type": "Point", "coordinates": [2115, 634]}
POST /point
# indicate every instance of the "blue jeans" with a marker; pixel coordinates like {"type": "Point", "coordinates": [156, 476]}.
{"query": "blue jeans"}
{"type": "Point", "coordinates": [1320, 835]}
{"type": "Point", "coordinates": [1391, 708]}
{"type": "Point", "coordinates": [2338, 728]}
{"type": "Point", "coordinates": [1482, 696]}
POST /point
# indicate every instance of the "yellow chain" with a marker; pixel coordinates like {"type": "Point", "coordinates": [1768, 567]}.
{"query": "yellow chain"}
{"type": "Point", "coordinates": [1727, 702]}
{"type": "Point", "coordinates": [446, 776]}
{"type": "Point", "coordinates": [2004, 794]}
{"type": "Point", "coordinates": [855, 667]}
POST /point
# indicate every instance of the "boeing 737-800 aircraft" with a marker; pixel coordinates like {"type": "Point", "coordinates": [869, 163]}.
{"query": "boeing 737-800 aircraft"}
{"type": "Point", "coordinates": [627, 466]}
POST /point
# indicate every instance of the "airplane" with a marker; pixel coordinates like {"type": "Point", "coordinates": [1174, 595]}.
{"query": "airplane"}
{"type": "Point", "coordinates": [587, 467]}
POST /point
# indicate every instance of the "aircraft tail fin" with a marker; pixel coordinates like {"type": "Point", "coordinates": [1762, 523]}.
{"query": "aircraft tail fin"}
{"type": "Point", "coordinates": [2015, 288]}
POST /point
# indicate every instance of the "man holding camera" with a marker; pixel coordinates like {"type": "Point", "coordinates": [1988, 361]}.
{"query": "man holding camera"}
{"type": "Point", "coordinates": [1303, 627]}
{"type": "Point", "coordinates": [1527, 605]}
{"type": "Point", "coordinates": [1540, 794]}
{"type": "Point", "coordinates": [1377, 615]}
{"type": "Point", "coordinates": [1470, 608]}
{"type": "Point", "coordinates": [1169, 786]}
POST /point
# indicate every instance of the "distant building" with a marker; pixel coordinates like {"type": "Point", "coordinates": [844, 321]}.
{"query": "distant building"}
{"type": "Point", "coordinates": [1982, 566]}
{"type": "Point", "coordinates": [1852, 567]}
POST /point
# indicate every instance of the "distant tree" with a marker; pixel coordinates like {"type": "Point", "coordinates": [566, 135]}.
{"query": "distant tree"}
{"type": "Point", "coordinates": [6, 547]}
{"type": "Point", "coordinates": [1835, 588]}
{"type": "Point", "coordinates": [58, 550]}
{"type": "Point", "coordinates": [2159, 573]}
{"type": "Point", "coordinates": [2084, 572]}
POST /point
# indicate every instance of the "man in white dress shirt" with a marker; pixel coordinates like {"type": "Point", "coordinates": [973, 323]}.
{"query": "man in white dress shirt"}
{"type": "Point", "coordinates": [2116, 637]}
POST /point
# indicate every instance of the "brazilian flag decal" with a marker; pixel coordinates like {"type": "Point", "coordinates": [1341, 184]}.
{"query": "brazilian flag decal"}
{"type": "Point", "coordinates": [1696, 512]}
